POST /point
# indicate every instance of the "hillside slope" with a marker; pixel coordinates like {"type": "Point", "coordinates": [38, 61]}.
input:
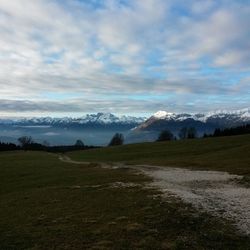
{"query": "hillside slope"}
{"type": "Point", "coordinates": [202, 122]}
{"type": "Point", "coordinates": [223, 153]}
{"type": "Point", "coordinates": [49, 204]}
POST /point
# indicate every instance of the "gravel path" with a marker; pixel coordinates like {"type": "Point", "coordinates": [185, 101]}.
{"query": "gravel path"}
{"type": "Point", "coordinates": [215, 192]}
{"type": "Point", "coordinates": [65, 158]}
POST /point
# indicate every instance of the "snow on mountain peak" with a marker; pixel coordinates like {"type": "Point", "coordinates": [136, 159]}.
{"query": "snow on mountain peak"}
{"type": "Point", "coordinates": [98, 118]}
{"type": "Point", "coordinates": [243, 114]}
{"type": "Point", "coordinates": [162, 114]}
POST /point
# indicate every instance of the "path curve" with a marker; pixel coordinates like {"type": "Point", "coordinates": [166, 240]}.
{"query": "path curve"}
{"type": "Point", "coordinates": [212, 191]}
{"type": "Point", "coordinates": [67, 159]}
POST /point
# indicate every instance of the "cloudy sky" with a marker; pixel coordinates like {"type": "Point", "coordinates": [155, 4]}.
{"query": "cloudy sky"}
{"type": "Point", "coordinates": [70, 57]}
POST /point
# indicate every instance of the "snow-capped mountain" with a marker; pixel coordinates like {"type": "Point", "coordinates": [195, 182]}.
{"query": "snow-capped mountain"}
{"type": "Point", "coordinates": [89, 119]}
{"type": "Point", "coordinates": [204, 123]}
{"type": "Point", "coordinates": [97, 129]}
{"type": "Point", "coordinates": [221, 117]}
{"type": "Point", "coordinates": [93, 129]}
{"type": "Point", "coordinates": [240, 115]}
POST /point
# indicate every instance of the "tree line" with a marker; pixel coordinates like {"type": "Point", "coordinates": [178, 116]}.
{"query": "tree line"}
{"type": "Point", "coordinates": [240, 130]}
{"type": "Point", "coordinates": [27, 143]}
{"type": "Point", "coordinates": [9, 146]}
{"type": "Point", "coordinates": [184, 133]}
{"type": "Point", "coordinates": [187, 133]}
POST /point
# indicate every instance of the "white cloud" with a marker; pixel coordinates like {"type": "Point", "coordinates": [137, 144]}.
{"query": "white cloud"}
{"type": "Point", "coordinates": [149, 46]}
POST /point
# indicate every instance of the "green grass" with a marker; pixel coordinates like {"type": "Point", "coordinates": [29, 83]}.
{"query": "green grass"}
{"type": "Point", "coordinates": [48, 204]}
{"type": "Point", "coordinates": [230, 154]}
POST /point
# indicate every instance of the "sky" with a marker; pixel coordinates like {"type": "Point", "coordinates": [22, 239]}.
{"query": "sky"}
{"type": "Point", "coordinates": [134, 57]}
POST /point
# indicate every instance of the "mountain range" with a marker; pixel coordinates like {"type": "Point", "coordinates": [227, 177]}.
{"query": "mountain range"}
{"type": "Point", "coordinates": [219, 118]}
{"type": "Point", "coordinates": [92, 129]}
{"type": "Point", "coordinates": [97, 129]}
{"type": "Point", "coordinates": [101, 119]}
{"type": "Point", "coordinates": [202, 122]}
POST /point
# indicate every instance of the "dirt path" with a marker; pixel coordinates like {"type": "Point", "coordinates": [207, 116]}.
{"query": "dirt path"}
{"type": "Point", "coordinates": [65, 158]}
{"type": "Point", "coordinates": [215, 192]}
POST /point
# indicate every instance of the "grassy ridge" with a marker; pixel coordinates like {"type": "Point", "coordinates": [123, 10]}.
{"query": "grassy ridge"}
{"type": "Point", "coordinates": [48, 204]}
{"type": "Point", "coordinates": [223, 153]}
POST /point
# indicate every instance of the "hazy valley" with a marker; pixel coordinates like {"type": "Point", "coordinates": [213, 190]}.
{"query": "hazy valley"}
{"type": "Point", "coordinates": [97, 129]}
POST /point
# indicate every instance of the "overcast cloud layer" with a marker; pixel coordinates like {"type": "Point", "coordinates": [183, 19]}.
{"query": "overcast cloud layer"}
{"type": "Point", "coordinates": [123, 56]}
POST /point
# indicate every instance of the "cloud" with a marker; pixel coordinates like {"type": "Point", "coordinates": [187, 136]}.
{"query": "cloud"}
{"type": "Point", "coordinates": [136, 105]}
{"type": "Point", "coordinates": [95, 48]}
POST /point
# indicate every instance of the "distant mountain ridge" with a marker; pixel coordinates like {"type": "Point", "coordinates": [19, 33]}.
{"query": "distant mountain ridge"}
{"type": "Point", "coordinates": [93, 129]}
{"type": "Point", "coordinates": [97, 129]}
{"type": "Point", "coordinates": [89, 119]}
{"type": "Point", "coordinates": [203, 122]}
{"type": "Point", "coordinates": [242, 115]}
{"type": "Point", "coordinates": [220, 117]}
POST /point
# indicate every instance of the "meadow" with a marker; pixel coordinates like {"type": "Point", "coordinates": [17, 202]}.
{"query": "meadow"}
{"type": "Point", "coordinates": [50, 204]}
{"type": "Point", "coordinates": [230, 153]}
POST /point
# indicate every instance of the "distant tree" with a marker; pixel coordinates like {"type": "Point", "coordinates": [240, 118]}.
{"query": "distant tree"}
{"type": "Point", "coordinates": [79, 143]}
{"type": "Point", "coordinates": [240, 130]}
{"type": "Point", "coordinates": [191, 134]}
{"type": "Point", "coordinates": [35, 146]}
{"type": "Point", "coordinates": [46, 143]}
{"type": "Point", "coordinates": [217, 132]}
{"type": "Point", "coordinates": [117, 139]}
{"type": "Point", "coordinates": [183, 133]}
{"type": "Point", "coordinates": [8, 146]}
{"type": "Point", "coordinates": [205, 135]}
{"type": "Point", "coordinates": [25, 141]}
{"type": "Point", "coordinates": [165, 135]}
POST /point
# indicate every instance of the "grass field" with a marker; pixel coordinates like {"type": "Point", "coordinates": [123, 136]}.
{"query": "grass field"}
{"type": "Point", "coordinates": [230, 154]}
{"type": "Point", "coordinates": [48, 204]}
